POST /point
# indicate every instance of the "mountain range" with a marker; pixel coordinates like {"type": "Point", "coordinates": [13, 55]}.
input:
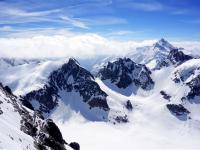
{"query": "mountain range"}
{"type": "Point", "coordinates": [151, 90]}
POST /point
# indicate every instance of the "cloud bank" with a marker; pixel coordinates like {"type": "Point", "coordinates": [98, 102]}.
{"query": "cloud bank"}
{"type": "Point", "coordinates": [68, 45]}
{"type": "Point", "coordinates": [73, 45]}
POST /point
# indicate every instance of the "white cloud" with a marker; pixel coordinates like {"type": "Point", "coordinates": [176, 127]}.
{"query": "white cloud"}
{"type": "Point", "coordinates": [16, 15]}
{"type": "Point", "coordinates": [63, 43]}
{"type": "Point", "coordinates": [75, 22]}
{"type": "Point", "coordinates": [121, 32]}
{"type": "Point", "coordinates": [67, 44]}
{"type": "Point", "coordinates": [23, 13]}
{"type": "Point", "coordinates": [191, 47]}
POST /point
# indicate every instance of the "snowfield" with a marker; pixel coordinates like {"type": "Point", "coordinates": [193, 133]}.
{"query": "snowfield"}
{"type": "Point", "coordinates": [151, 136]}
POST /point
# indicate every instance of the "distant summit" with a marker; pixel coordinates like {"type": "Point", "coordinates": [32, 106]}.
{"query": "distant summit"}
{"type": "Point", "coordinates": [163, 44]}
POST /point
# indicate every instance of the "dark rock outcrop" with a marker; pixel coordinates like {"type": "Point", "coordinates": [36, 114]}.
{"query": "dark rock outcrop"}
{"type": "Point", "coordinates": [50, 135]}
{"type": "Point", "coordinates": [8, 90]}
{"type": "Point", "coordinates": [128, 105]}
{"type": "Point", "coordinates": [179, 111]}
{"type": "Point", "coordinates": [121, 119]}
{"type": "Point", "coordinates": [177, 57]}
{"type": "Point", "coordinates": [124, 72]}
{"type": "Point", "coordinates": [74, 145]}
{"type": "Point", "coordinates": [165, 95]}
{"type": "Point", "coordinates": [194, 93]}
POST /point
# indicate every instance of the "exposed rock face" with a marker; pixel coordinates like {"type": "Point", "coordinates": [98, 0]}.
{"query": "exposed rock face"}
{"type": "Point", "coordinates": [177, 57]}
{"type": "Point", "coordinates": [47, 97]}
{"type": "Point", "coordinates": [124, 72]}
{"type": "Point", "coordinates": [45, 132]}
{"type": "Point", "coordinates": [179, 111]}
{"type": "Point", "coordinates": [71, 77]}
{"type": "Point", "coordinates": [50, 135]}
{"type": "Point", "coordinates": [194, 85]}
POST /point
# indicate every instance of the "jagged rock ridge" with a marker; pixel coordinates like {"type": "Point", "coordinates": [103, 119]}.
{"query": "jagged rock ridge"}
{"type": "Point", "coordinates": [124, 72]}
{"type": "Point", "coordinates": [71, 77]}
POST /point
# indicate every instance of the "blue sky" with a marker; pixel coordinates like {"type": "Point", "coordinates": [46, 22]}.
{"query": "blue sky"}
{"type": "Point", "coordinates": [121, 19]}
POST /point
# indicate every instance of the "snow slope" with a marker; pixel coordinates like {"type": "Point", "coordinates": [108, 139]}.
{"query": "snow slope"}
{"type": "Point", "coordinates": [11, 137]}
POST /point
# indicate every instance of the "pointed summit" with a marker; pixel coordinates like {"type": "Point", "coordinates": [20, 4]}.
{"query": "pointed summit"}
{"type": "Point", "coordinates": [162, 40]}
{"type": "Point", "coordinates": [163, 44]}
{"type": "Point", "coordinates": [71, 64]}
{"type": "Point", "coordinates": [72, 61]}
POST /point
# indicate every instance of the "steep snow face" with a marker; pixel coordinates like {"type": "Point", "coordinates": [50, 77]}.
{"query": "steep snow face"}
{"type": "Point", "coordinates": [187, 71]}
{"type": "Point", "coordinates": [124, 73]}
{"type": "Point", "coordinates": [188, 74]}
{"type": "Point", "coordinates": [163, 45]}
{"type": "Point", "coordinates": [11, 137]}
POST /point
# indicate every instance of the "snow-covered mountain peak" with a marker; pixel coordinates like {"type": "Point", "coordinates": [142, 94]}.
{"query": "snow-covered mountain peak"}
{"type": "Point", "coordinates": [74, 86]}
{"type": "Point", "coordinates": [163, 44]}
{"type": "Point", "coordinates": [75, 70]}
{"type": "Point", "coordinates": [152, 53]}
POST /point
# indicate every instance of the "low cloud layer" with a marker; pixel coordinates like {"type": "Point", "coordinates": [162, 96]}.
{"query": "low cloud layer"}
{"type": "Point", "coordinates": [73, 45]}
{"type": "Point", "coordinates": [82, 46]}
